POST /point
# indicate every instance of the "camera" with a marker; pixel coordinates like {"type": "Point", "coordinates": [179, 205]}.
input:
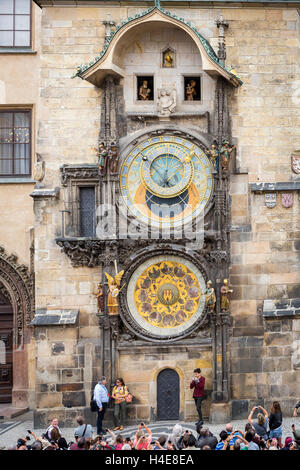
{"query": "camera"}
{"type": "Point", "coordinates": [142, 424]}
{"type": "Point", "coordinates": [28, 438]}
{"type": "Point", "coordinates": [29, 432]}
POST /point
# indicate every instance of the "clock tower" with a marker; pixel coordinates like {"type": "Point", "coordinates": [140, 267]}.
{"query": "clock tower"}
{"type": "Point", "coordinates": [165, 155]}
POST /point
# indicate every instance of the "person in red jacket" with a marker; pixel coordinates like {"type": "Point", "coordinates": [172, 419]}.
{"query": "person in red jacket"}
{"type": "Point", "coordinates": [197, 384]}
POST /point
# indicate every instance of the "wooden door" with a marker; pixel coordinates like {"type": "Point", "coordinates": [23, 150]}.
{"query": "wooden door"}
{"type": "Point", "coordinates": [168, 395]}
{"type": "Point", "coordinates": [6, 351]}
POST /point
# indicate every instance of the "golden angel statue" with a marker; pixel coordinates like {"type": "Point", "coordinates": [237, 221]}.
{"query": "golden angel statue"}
{"type": "Point", "coordinates": [113, 292]}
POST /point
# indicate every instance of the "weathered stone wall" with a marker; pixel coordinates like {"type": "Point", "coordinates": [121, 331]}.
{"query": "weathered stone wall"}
{"type": "Point", "coordinates": [262, 44]}
{"type": "Point", "coordinates": [264, 241]}
{"type": "Point", "coordinates": [140, 371]}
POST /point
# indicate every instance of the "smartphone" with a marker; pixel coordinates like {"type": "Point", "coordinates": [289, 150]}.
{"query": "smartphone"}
{"type": "Point", "coordinates": [28, 430]}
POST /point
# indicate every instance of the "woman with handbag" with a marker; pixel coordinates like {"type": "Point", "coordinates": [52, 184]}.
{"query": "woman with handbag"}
{"type": "Point", "coordinates": [121, 396]}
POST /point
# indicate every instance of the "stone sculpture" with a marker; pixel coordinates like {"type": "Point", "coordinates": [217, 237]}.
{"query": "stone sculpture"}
{"type": "Point", "coordinates": [213, 154]}
{"type": "Point", "coordinates": [103, 157]}
{"type": "Point", "coordinates": [225, 292]}
{"type": "Point", "coordinates": [226, 151]}
{"type": "Point", "coordinates": [100, 299]}
{"type": "Point", "coordinates": [144, 91]}
{"type": "Point", "coordinates": [190, 90]}
{"type": "Point", "coordinates": [166, 101]}
{"type": "Point", "coordinates": [210, 298]}
{"type": "Point", "coordinates": [113, 158]}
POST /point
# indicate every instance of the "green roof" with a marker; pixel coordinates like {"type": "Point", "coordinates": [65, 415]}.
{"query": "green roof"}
{"type": "Point", "coordinates": [208, 48]}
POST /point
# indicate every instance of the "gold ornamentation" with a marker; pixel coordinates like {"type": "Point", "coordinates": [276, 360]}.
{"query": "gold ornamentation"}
{"type": "Point", "coordinates": [225, 292]}
{"type": "Point", "coordinates": [167, 294]}
{"type": "Point", "coordinates": [113, 292]}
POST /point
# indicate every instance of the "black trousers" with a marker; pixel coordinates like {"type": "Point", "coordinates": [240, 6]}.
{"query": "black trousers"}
{"type": "Point", "coordinates": [198, 403]}
{"type": "Point", "coordinates": [100, 418]}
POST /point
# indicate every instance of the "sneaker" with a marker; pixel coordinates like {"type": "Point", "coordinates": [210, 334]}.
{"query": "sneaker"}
{"type": "Point", "coordinates": [121, 428]}
{"type": "Point", "coordinates": [116, 428]}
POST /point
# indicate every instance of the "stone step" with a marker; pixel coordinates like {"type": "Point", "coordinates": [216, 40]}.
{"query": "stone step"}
{"type": "Point", "coordinates": [9, 411]}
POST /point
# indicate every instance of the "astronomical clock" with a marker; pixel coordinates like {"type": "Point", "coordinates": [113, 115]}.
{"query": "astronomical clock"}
{"type": "Point", "coordinates": [166, 181]}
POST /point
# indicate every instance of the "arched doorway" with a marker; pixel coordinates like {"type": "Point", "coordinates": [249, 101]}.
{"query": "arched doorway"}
{"type": "Point", "coordinates": [6, 350]}
{"type": "Point", "coordinates": [168, 395]}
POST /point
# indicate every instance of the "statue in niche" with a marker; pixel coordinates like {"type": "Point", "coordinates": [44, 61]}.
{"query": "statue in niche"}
{"type": "Point", "coordinates": [168, 59]}
{"type": "Point", "coordinates": [100, 299]}
{"type": "Point", "coordinates": [226, 151]}
{"type": "Point", "coordinates": [113, 292]}
{"type": "Point", "coordinates": [39, 169]}
{"type": "Point", "coordinates": [210, 298]}
{"type": "Point", "coordinates": [113, 158]}
{"type": "Point", "coordinates": [103, 159]}
{"type": "Point", "coordinates": [190, 90]}
{"type": "Point", "coordinates": [166, 101]}
{"type": "Point", "coordinates": [225, 292]}
{"type": "Point", "coordinates": [213, 154]}
{"type": "Point", "coordinates": [144, 91]}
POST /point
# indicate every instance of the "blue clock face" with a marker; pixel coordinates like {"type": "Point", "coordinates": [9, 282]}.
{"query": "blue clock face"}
{"type": "Point", "coordinates": [166, 180]}
{"type": "Point", "coordinates": [167, 171]}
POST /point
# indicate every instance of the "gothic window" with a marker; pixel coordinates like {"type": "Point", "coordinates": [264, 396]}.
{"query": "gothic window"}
{"type": "Point", "coordinates": [87, 211]}
{"type": "Point", "coordinates": [15, 143]}
{"type": "Point", "coordinates": [15, 23]}
{"type": "Point", "coordinates": [192, 88]}
{"type": "Point", "coordinates": [145, 88]}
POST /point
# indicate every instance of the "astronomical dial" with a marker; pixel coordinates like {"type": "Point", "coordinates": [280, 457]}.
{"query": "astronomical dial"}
{"type": "Point", "coordinates": [166, 181]}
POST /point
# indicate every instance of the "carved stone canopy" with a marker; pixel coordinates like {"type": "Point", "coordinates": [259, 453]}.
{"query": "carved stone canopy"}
{"type": "Point", "coordinates": [109, 62]}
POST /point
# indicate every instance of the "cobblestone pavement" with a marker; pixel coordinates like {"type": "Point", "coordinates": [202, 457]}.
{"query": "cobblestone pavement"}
{"type": "Point", "coordinates": [11, 430]}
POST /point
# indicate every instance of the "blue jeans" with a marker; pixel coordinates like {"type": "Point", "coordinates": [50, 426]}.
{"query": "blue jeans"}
{"type": "Point", "coordinates": [276, 433]}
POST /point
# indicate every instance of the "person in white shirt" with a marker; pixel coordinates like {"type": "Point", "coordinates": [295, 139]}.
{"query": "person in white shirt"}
{"type": "Point", "coordinates": [101, 396]}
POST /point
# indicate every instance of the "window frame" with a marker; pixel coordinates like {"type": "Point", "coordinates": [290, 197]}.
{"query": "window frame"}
{"type": "Point", "coordinates": [19, 175]}
{"type": "Point", "coordinates": [13, 14]}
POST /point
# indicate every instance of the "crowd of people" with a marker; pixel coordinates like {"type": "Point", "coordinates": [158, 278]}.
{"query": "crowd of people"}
{"type": "Point", "coordinates": [262, 433]}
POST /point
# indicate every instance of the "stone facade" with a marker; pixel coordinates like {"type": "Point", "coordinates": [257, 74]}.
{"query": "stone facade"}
{"type": "Point", "coordinates": [262, 45]}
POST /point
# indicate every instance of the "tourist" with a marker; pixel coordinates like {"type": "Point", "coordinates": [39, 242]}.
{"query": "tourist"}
{"type": "Point", "coordinates": [53, 426]}
{"type": "Point", "coordinates": [296, 434]}
{"type": "Point", "coordinates": [119, 394]}
{"type": "Point", "coordinates": [101, 396]}
{"type": "Point", "coordinates": [119, 442]}
{"type": "Point", "coordinates": [251, 445]}
{"type": "Point", "coordinates": [223, 439]}
{"type": "Point", "coordinates": [275, 422]}
{"type": "Point", "coordinates": [160, 444]}
{"type": "Point", "coordinates": [206, 438]}
{"type": "Point", "coordinates": [261, 427]}
{"type": "Point", "coordinates": [83, 430]}
{"type": "Point", "coordinates": [175, 435]}
{"type": "Point", "coordinates": [297, 406]}
{"type": "Point", "coordinates": [191, 443]}
{"type": "Point", "coordinates": [197, 383]}
{"type": "Point", "coordinates": [141, 440]}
